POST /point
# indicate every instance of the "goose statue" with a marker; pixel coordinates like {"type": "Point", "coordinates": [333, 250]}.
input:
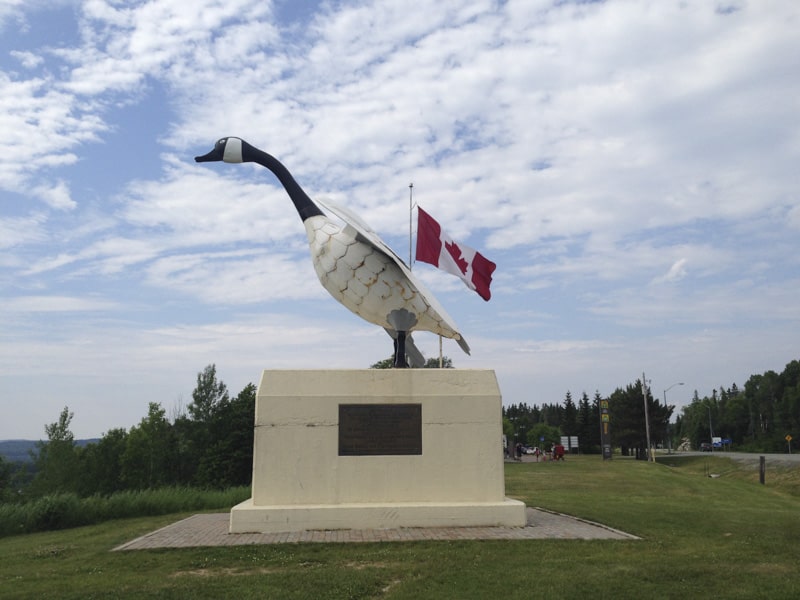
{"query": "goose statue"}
{"type": "Point", "coordinates": [356, 267]}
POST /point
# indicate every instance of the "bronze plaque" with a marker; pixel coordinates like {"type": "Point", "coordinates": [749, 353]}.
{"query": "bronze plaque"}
{"type": "Point", "coordinates": [380, 429]}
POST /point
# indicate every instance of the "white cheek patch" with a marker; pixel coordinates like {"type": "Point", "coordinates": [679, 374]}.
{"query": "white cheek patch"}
{"type": "Point", "coordinates": [233, 151]}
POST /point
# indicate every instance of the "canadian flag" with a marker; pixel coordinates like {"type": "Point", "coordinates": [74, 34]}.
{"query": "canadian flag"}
{"type": "Point", "coordinates": [437, 248]}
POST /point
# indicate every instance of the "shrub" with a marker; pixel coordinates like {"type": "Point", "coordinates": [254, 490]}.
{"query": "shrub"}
{"type": "Point", "coordinates": [12, 519]}
{"type": "Point", "coordinates": [60, 511]}
{"type": "Point", "coordinates": [56, 511]}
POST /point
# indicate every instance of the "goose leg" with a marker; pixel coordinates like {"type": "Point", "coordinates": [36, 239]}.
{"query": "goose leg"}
{"type": "Point", "coordinates": [402, 321]}
{"type": "Point", "coordinates": [414, 357]}
{"type": "Point", "coordinates": [400, 351]}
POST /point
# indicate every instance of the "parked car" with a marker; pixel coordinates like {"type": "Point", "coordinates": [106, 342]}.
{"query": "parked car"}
{"type": "Point", "coordinates": [706, 447]}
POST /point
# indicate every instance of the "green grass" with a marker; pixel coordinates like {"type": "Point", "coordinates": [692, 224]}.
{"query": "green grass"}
{"type": "Point", "coordinates": [726, 537]}
{"type": "Point", "coordinates": [779, 475]}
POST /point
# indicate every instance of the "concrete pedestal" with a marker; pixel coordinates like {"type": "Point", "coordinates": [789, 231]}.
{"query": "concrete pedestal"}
{"type": "Point", "coordinates": [301, 482]}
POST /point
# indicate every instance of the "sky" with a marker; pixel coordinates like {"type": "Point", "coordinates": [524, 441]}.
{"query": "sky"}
{"type": "Point", "coordinates": [631, 166]}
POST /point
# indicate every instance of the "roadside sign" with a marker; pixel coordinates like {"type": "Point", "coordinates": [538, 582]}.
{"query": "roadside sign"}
{"type": "Point", "coordinates": [605, 434]}
{"type": "Point", "coordinates": [788, 438]}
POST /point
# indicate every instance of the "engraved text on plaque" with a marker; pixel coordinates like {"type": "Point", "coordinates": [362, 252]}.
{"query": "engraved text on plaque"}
{"type": "Point", "coordinates": [380, 429]}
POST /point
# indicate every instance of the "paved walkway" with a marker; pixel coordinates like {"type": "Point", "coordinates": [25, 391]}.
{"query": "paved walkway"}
{"type": "Point", "coordinates": [212, 530]}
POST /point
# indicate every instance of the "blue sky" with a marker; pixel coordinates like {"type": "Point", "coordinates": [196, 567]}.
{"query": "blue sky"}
{"type": "Point", "coordinates": [631, 167]}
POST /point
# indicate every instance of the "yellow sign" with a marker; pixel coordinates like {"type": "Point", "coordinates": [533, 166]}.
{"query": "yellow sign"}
{"type": "Point", "coordinates": [788, 438]}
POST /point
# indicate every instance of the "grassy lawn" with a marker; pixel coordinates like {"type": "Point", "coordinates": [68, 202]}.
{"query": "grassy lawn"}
{"type": "Point", "coordinates": [726, 537]}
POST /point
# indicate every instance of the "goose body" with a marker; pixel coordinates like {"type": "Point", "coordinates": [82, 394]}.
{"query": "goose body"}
{"type": "Point", "coordinates": [353, 264]}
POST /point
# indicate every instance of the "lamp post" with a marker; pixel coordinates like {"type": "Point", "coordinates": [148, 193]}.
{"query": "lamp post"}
{"type": "Point", "coordinates": [669, 438]}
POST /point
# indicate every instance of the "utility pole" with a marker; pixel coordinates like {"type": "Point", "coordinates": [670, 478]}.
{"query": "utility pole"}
{"type": "Point", "coordinates": [650, 456]}
{"type": "Point", "coordinates": [711, 428]}
{"type": "Point", "coordinates": [666, 407]}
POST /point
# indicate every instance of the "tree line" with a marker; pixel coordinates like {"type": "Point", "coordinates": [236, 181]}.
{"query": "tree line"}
{"type": "Point", "coordinates": [208, 445]}
{"type": "Point", "coordinates": [543, 426]}
{"type": "Point", "coordinates": [758, 418]}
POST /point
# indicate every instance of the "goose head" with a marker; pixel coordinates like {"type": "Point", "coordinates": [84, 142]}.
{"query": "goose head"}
{"type": "Point", "coordinates": [229, 150]}
{"type": "Point", "coordinates": [236, 150]}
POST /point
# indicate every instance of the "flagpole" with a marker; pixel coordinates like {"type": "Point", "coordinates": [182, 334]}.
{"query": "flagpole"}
{"type": "Point", "coordinates": [410, 211]}
{"type": "Point", "coordinates": [410, 259]}
{"type": "Point", "coordinates": [410, 263]}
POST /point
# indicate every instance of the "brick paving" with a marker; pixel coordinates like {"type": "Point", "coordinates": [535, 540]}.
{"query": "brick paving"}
{"type": "Point", "coordinates": [212, 530]}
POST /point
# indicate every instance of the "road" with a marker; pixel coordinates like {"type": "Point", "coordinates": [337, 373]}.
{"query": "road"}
{"type": "Point", "coordinates": [743, 456]}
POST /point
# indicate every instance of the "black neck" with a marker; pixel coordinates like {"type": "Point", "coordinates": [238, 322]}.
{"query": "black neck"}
{"type": "Point", "coordinates": [305, 206]}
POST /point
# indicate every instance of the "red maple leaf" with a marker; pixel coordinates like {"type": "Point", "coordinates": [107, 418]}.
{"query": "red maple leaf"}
{"type": "Point", "coordinates": [455, 251]}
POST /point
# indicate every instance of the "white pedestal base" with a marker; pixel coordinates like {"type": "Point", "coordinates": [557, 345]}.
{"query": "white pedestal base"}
{"type": "Point", "coordinates": [247, 518]}
{"type": "Point", "coordinates": [300, 482]}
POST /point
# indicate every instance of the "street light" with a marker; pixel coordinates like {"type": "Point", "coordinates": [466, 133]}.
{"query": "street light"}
{"type": "Point", "coordinates": [669, 438]}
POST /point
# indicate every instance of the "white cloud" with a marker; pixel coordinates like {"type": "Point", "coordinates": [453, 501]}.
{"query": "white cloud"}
{"type": "Point", "coordinates": [238, 277]}
{"type": "Point", "coordinates": [56, 195]}
{"type": "Point", "coordinates": [212, 205]}
{"type": "Point", "coordinates": [676, 272]}
{"type": "Point", "coordinates": [37, 304]}
{"type": "Point", "coordinates": [29, 60]}
{"type": "Point", "coordinates": [10, 9]}
{"type": "Point", "coordinates": [21, 230]}
{"type": "Point", "coordinates": [41, 127]}
{"type": "Point", "coordinates": [793, 217]}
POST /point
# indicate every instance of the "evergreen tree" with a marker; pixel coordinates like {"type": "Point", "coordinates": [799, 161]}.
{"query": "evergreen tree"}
{"type": "Point", "coordinates": [569, 422]}
{"type": "Point", "coordinates": [589, 424]}
{"type": "Point", "coordinates": [628, 423]}
{"type": "Point", "coordinates": [552, 414]}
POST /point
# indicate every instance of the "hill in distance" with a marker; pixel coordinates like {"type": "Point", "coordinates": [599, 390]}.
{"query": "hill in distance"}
{"type": "Point", "coordinates": [20, 450]}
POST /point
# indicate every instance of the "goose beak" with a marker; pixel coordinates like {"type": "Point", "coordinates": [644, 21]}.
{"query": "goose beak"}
{"type": "Point", "coordinates": [214, 155]}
